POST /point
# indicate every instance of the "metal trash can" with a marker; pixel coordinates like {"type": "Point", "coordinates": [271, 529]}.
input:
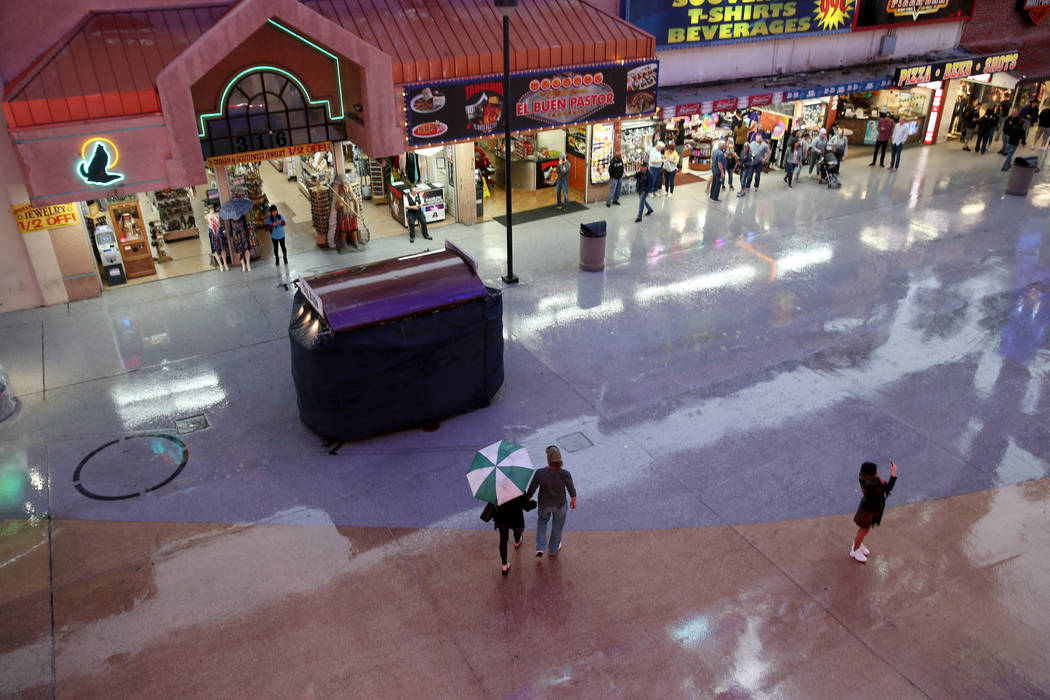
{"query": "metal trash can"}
{"type": "Point", "coordinates": [8, 400]}
{"type": "Point", "coordinates": [1020, 180]}
{"type": "Point", "coordinates": [592, 246]}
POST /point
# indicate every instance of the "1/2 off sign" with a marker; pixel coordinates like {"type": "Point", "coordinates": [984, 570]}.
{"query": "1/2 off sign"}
{"type": "Point", "coordinates": [32, 218]}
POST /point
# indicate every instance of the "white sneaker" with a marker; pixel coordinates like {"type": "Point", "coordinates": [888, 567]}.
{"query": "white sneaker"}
{"type": "Point", "coordinates": [858, 555]}
{"type": "Point", "coordinates": [864, 550]}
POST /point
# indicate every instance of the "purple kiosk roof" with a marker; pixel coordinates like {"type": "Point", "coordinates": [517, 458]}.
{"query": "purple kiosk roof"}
{"type": "Point", "coordinates": [393, 288]}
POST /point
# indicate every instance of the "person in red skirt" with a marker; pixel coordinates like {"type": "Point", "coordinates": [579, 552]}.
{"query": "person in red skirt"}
{"type": "Point", "coordinates": [869, 513]}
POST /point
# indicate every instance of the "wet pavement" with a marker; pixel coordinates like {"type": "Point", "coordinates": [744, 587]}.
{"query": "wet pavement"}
{"type": "Point", "coordinates": [713, 392]}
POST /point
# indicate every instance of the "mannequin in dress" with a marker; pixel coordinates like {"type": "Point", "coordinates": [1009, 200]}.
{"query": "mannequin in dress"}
{"type": "Point", "coordinates": [217, 239]}
{"type": "Point", "coordinates": [240, 238]}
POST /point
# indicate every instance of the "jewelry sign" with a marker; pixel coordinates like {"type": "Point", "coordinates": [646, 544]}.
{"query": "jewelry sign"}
{"type": "Point", "coordinates": [461, 110]}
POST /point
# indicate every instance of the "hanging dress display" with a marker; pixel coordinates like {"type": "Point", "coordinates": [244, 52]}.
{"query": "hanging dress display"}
{"type": "Point", "coordinates": [242, 236]}
{"type": "Point", "coordinates": [215, 237]}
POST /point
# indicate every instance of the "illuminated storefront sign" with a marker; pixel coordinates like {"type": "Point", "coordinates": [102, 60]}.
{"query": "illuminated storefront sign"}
{"type": "Point", "coordinates": [270, 154]}
{"type": "Point", "coordinates": [684, 23]}
{"type": "Point", "coordinates": [97, 156]}
{"type": "Point", "coordinates": [875, 14]}
{"type": "Point", "coordinates": [950, 70]}
{"type": "Point", "coordinates": [935, 111]}
{"type": "Point", "coordinates": [30, 218]}
{"type": "Point", "coordinates": [1035, 11]}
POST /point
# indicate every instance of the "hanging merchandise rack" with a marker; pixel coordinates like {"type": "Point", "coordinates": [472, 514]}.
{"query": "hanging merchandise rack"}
{"type": "Point", "coordinates": [176, 214]}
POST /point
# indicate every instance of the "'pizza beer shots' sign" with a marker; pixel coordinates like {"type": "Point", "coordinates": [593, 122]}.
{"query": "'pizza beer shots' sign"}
{"type": "Point", "coordinates": [951, 70]}
{"type": "Point", "coordinates": [473, 109]}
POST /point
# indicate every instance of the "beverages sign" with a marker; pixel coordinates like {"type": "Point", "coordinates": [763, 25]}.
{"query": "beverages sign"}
{"type": "Point", "coordinates": [950, 70]}
{"type": "Point", "coordinates": [685, 23]}
{"type": "Point", "coordinates": [461, 110]}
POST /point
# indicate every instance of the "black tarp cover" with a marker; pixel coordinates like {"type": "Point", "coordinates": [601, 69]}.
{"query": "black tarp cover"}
{"type": "Point", "coordinates": [407, 373]}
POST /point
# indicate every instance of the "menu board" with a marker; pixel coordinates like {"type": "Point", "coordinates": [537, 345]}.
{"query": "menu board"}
{"type": "Point", "coordinates": [576, 141]}
{"type": "Point", "coordinates": [470, 109]}
{"type": "Point", "coordinates": [601, 152]}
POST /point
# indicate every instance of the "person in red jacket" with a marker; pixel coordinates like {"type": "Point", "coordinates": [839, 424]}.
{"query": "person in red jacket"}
{"type": "Point", "coordinates": [885, 126]}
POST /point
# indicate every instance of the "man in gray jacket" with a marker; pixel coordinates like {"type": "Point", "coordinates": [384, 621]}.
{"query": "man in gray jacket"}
{"type": "Point", "coordinates": [552, 482]}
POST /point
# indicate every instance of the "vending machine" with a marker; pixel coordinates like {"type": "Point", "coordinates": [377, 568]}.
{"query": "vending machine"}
{"type": "Point", "coordinates": [109, 254]}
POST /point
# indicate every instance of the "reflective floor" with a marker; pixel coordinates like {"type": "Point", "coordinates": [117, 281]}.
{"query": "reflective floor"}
{"type": "Point", "coordinates": [713, 392]}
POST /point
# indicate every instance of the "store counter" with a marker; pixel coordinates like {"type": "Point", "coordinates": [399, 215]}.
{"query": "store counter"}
{"type": "Point", "coordinates": [432, 200]}
{"type": "Point", "coordinates": [529, 174]}
{"type": "Point", "coordinates": [865, 130]}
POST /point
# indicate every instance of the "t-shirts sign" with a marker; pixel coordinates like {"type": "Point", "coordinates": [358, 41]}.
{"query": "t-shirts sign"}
{"type": "Point", "coordinates": [875, 14]}
{"type": "Point", "coordinates": [685, 23]}
{"type": "Point", "coordinates": [471, 109]}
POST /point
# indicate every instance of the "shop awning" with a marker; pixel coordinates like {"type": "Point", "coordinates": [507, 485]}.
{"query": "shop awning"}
{"type": "Point", "coordinates": [1033, 61]}
{"type": "Point", "coordinates": [687, 100]}
{"type": "Point", "coordinates": [107, 65]}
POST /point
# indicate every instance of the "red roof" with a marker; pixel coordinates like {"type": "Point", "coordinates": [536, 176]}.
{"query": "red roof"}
{"type": "Point", "coordinates": [441, 39]}
{"type": "Point", "coordinates": [107, 65]}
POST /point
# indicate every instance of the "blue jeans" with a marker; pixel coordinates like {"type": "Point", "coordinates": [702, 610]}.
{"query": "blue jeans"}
{"type": "Point", "coordinates": [745, 177]}
{"type": "Point", "coordinates": [614, 190]}
{"type": "Point", "coordinates": [642, 204]}
{"type": "Point", "coordinates": [656, 176]}
{"type": "Point", "coordinates": [790, 168]}
{"type": "Point", "coordinates": [562, 187]}
{"type": "Point", "coordinates": [669, 180]}
{"type": "Point", "coordinates": [716, 185]}
{"type": "Point", "coordinates": [543, 514]}
{"type": "Point", "coordinates": [895, 154]}
{"type": "Point", "coordinates": [1010, 148]}
{"type": "Point", "coordinates": [984, 138]}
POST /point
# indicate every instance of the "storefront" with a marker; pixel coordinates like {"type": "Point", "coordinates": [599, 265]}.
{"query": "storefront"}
{"type": "Point", "coordinates": [302, 104]}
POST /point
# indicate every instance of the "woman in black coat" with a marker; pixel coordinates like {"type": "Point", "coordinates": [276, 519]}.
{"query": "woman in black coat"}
{"type": "Point", "coordinates": [510, 516]}
{"type": "Point", "coordinates": [869, 512]}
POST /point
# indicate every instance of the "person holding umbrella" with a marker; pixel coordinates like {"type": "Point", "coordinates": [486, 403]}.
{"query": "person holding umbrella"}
{"type": "Point", "coordinates": [869, 512]}
{"type": "Point", "coordinates": [552, 482]}
{"type": "Point", "coordinates": [499, 475]}
{"type": "Point", "coordinates": [507, 517]}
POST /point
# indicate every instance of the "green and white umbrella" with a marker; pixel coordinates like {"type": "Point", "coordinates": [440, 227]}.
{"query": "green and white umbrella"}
{"type": "Point", "coordinates": [500, 472]}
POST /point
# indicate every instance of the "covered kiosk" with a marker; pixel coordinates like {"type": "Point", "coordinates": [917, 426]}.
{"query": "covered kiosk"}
{"type": "Point", "coordinates": [400, 343]}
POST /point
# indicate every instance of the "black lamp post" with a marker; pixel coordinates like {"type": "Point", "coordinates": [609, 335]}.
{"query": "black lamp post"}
{"type": "Point", "coordinates": [506, 8]}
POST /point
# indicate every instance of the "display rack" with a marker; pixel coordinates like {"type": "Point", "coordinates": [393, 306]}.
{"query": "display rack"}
{"type": "Point", "coordinates": [375, 178]}
{"type": "Point", "coordinates": [176, 214]}
{"type": "Point", "coordinates": [320, 208]}
{"type": "Point", "coordinates": [635, 144]}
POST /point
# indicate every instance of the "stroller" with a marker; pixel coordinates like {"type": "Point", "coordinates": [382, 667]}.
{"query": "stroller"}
{"type": "Point", "coordinates": [828, 169]}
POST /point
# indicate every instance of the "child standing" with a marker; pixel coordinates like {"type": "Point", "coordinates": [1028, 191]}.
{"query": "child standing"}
{"type": "Point", "coordinates": [275, 224]}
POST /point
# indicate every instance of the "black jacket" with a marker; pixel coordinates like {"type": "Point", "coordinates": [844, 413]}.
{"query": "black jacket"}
{"type": "Point", "coordinates": [988, 122]}
{"type": "Point", "coordinates": [511, 514]}
{"type": "Point", "coordinates": [1013, 130]}
{"type": "Point", "coordinates": [875, 491]}
{"type": "Point", "coordinates": [616, 167]}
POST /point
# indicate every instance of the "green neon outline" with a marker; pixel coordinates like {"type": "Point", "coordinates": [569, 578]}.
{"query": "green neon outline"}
{"type": "Point", "coordinates": [338, 70]}
{"type": "Point", "coordinates": [82, 161]}
{"type": "Point", "coordinates": [259, 69]}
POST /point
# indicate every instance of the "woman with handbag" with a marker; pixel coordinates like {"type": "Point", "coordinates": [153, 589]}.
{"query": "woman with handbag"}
{"type": "Point", "coordinates": [507, 517]}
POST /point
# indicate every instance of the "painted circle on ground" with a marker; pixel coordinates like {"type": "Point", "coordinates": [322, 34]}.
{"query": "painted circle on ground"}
{"type": "Point", "coordinates": [134, 465]}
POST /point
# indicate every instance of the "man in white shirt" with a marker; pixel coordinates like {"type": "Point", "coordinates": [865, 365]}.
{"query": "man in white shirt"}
{"type": "Point", "coordinates": [759, 156]}
{"type": "Point", "coordinates": [900, 135]}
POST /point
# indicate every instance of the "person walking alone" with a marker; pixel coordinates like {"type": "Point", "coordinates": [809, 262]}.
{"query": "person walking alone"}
{"type": "Point", "coordinates": [970, 117]}
{"type": "Point", "coordinates": [872, 504]}
{"type": "Point", "coordinates": [718, 169]}
{"type": "Point", "coordinates": [759, 157]}
{"type": "Point", "coordinates": [1013, 131]}
{"type": "Point", "coordinates": [642, 180]}
{"type": "Point", "coordinates": [1042, 133]}
{"type": "Point", "coordinates": [885, 131]}
{"type": "Point", "coordinates": [507, 517]}
{"type": "Point", "coordinates": [900, 135]}
{"type": "Point", "coordinates": [553, 482]}
{"type": "Point", "coordinates": [275, 224]}
{"type": "Point", "coordinates": [804, 142]}
{"type": "Point", "coordinates": [615, 180]}
{"type": "Point", "coordinates": [794, 158]}
{"type": "Point", "coordinates": [670, 169]}
{"type": "Point", "coordinates": [561, 187]}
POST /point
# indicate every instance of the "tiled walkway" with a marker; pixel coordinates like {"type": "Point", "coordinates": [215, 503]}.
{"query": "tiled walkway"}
{"type": "Point", "coordinates": [730, 370]}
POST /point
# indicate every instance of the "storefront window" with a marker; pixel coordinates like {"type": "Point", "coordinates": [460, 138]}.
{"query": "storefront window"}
{"type": "Point", "coordinates": [267, 110]}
